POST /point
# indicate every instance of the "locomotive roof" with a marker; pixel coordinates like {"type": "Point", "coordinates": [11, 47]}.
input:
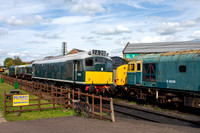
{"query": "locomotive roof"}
{"type": "Point", "coordinates": [21, 66]}
{"type": "Point", "coordinates": [172, 56]}
{"type": "Point", "coordinates": [64, 58]}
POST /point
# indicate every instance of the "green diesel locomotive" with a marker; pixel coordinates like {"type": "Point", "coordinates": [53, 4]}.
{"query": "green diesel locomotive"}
{"type": "Point", "coordinates": [89, 71]}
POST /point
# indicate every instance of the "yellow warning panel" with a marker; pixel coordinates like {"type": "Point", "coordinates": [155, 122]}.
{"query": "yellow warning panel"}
{"type": "Point", "coordinates": [94, 77]}
{"type": "Point", "coordinates": [122, 75]}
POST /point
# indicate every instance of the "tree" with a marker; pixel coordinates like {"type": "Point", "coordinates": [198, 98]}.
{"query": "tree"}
{"type": "Point", "coordinates": [17, 60]}
{"type": "Point", "coordinates": [9, 64]}
{"type": "Point", "coordinates": [7, 60]}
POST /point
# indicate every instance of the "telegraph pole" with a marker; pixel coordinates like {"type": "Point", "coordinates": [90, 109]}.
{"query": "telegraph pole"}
{"type": "Point", "coordinates": [64, 48]}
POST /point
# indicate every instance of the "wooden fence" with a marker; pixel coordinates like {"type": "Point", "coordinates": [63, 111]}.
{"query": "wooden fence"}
{"type": "Point", "coordinates": [61, 97]}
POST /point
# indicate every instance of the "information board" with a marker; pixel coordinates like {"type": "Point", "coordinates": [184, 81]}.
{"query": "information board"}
{"type": "Point", "coordinates": [20, 100]}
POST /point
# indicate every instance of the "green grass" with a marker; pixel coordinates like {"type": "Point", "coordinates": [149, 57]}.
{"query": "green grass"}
{"type": "Point", "coordinates": [133, 102]}
{"type": "Point", "coordinates": [31, 115]}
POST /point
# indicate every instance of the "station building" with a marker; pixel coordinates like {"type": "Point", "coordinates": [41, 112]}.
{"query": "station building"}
{"type": "Point", "coordinates": [133, 49]}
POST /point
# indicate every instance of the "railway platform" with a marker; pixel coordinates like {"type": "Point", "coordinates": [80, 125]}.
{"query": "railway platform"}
{"type": "Point", "coordinates": [83, 125]}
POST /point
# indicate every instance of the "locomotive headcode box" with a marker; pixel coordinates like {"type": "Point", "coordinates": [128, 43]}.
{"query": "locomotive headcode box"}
{"type": "Point", "coordinates": [99, 52]}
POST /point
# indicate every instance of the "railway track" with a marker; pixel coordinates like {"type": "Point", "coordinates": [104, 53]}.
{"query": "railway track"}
{"type": "Point", "coordinates": [153, 116]}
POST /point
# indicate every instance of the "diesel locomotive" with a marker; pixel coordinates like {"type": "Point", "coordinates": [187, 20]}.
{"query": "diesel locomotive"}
{"type": "Point", "coordinates": [89, 71]}
{"type": "Point", "coordinates": [165, 77]}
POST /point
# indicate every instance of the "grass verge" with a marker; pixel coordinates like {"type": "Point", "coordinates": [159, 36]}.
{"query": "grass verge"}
{"type": "Point", "coordinates": [31, 115]}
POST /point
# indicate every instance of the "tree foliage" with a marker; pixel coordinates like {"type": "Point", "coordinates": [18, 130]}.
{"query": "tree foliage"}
{"type": "Point", "coordinates": [8, 62]}
{"type": "Point", "coordinates": [17, 60]}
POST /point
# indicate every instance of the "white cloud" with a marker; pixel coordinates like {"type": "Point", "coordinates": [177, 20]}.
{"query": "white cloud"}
{"type": "Point", "coordinates": [122, 41]}
{"type": "Point", "coordinates": [174, 27]}
{"type": "Point", "coordinates": [27, 21]}
{"type": "Point", "coordinates": [48, 36]}
{"type": "Point", "coordinates": [189, 23]}
{"type": "Point", "coordinates": [196, 34]}
{"type": "Point", "coordinates": [71, 20]}
{"type": "Point", "coordinates": [90, 8]}
{"type": "Point", "coordinates": [169, 28]}
{"type": "Point", "coordinates": [150, 39]}
{"type": "Point", "coordinates": [36, 42]}
{"type": "Point", "coordinates": [113, 31]}
{"type": "Point", "coordinates": [3, 32]}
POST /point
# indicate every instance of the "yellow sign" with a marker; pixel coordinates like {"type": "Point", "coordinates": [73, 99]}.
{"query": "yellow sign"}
{"type": "Point", "coordinates": [20, 100]}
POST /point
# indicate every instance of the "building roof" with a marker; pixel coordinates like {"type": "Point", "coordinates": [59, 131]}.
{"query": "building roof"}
{"type": "Point", "coordinates": [77, 50]}
{"type": "Point", "coordinates": [160, 47]}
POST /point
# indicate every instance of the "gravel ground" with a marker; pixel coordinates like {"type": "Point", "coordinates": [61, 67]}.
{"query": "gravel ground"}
{"type": "Point", "coordinates": [83, 125]}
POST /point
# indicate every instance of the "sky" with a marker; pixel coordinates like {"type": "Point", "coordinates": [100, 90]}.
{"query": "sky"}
{"type": "Point", "coordinates": [34, 29]}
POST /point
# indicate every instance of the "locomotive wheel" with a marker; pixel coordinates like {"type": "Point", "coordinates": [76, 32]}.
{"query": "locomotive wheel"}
{"type": "Point", "coordinates": [112, 89]}
{"type": "Point", "coordinates": [91, 89]}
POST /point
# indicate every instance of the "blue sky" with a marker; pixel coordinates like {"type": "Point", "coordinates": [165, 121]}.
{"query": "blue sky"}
{"type": "Point", "coordinates": [33, 29]}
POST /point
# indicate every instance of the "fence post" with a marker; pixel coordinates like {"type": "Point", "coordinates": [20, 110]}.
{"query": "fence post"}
{"type": "Point", "coordinates": [87, 100]}
{"type": "Point", "coordinates": [100, 107]}
{"type": "Point", "coordinates": [32, 87]}
{"type": "Point", "coordinates": [56, 94]}
{"type": "Point", "coordinates": [62, 101]}
{"type": "Point", "coordinates": [39, 98]}
{"type": "Point", "coordinates": [78, 94]}
{"type": "Point", "coordinates": [68, 97]}
{"type": "Point", "coordinates": [112, 110]}
{"type": "Point", "coordinates": [73, 98]}
{"type": "Point", "coordinates": [4, 102]}
{"type": "Point", "coordinates": [92, 105]}
{"type": "Point", "coordinates": [52, 92]}
{"type": "Point", "coordinates": [20, 109]}
{"type": "Point", "coordinates": [26, 88]}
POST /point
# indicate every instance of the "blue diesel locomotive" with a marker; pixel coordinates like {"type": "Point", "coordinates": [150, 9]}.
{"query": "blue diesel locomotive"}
{"type": "Point", "coordinates": [166, 77]}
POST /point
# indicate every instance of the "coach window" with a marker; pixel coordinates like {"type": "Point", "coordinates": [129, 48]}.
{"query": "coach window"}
{"type": "Point", "coordinates": [182, 68]}
{"type": "Point", "coordinates": [89, 62]}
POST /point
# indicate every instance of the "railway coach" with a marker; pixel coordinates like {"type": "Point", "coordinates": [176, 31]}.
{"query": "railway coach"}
{"type": "Point", "coordinates": [167, 77]}
{"type": "Point", "coordinates": [89, 71]}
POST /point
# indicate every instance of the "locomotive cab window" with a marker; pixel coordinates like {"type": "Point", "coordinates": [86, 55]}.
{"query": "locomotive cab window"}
{"type": "Point", "coordinates": [108, 64]}
{"type": "Point", "coordinates": [89, 62]}
{"type": "Point", "coordinates": [138, 66]}
{"type": "Point", "coordinates": [131, 67]}
{"type": "Point", "coordinates": [99, 60]}
{"type": "Point", "coordinates": [182, 69]}
{"type": "Point", "coordinates": [117, 62]}
{"type": "Point", "coordinates": [79, 65]}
